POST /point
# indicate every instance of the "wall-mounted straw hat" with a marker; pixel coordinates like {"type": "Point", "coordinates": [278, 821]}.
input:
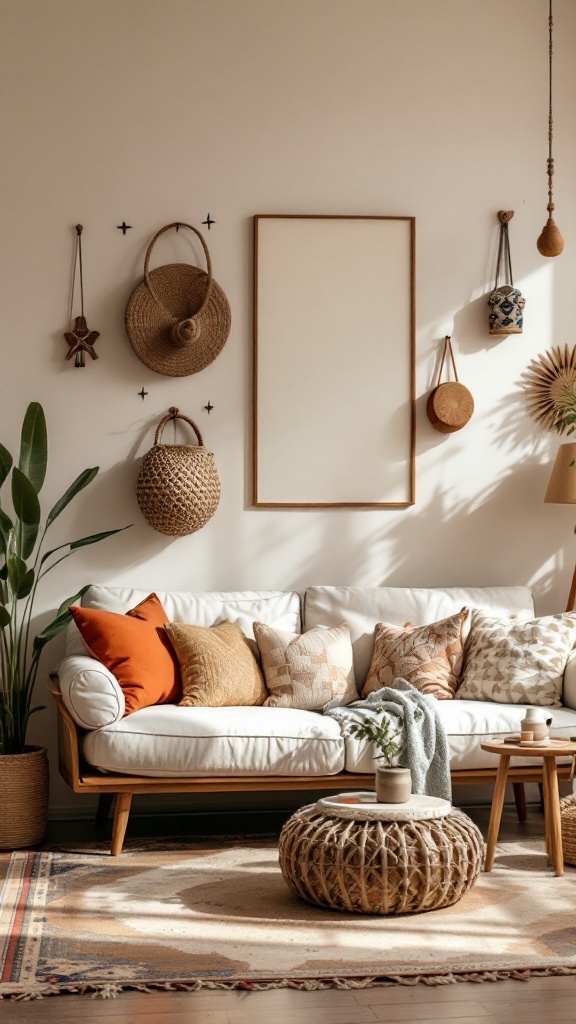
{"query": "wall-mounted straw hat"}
{"type": "Point", "coordinates": [178, 317]}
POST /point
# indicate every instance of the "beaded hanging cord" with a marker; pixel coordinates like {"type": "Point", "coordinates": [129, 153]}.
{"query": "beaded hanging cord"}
{"type": "Point", "coordinates": [550, 241]}
{"type": "Point", "coordinates": [79, 338]}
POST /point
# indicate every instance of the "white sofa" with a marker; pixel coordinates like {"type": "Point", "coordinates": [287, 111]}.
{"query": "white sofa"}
{"type": "Point", "coordinates": [167, 748]}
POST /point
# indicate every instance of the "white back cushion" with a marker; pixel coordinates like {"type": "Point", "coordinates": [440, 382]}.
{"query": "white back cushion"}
{"type": "Point", "coordinates": [363, 607]}
{"type": "Point", "coordinates": [274, 607]}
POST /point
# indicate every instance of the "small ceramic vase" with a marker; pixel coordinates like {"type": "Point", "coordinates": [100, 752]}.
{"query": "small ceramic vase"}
{"type": "Point", "coordinates": [535, 722]}
{"type": "Point", "coordinates": [393, 785]}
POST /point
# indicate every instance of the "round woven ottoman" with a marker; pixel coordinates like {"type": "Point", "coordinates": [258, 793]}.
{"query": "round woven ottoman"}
{"type": "Point", "coordinates": [380, 867]}
{"type": "Point", "coordinates": [568, 820]}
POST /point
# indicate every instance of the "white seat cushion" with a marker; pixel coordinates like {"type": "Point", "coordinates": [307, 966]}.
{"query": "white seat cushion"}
{"type": "Point", "coordinates": [468, 724]}
{"type": "Point", "coordinates": [363, 607]}
{"type": "Point", "coordinates": [166, 740]}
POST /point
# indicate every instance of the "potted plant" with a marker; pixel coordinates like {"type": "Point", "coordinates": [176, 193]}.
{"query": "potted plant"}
{"type": "Point", "coordinates": [393, 784]}
{"type": "Point", "coordinates": [24, 562]}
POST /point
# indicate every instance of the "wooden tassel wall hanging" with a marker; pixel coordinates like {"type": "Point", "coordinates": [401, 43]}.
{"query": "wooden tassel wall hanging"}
{"type": "Point", "coordinates": [550, 242]}
{"type": "Point", "coordinates": [80, 339]}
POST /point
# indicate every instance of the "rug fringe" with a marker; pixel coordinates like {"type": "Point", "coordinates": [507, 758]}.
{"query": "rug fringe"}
{"type": "Point", "coordinates": [109, 990]}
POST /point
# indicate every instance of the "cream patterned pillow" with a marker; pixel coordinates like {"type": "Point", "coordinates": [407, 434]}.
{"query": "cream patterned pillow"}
{"type": "Point", "coordinates": [307, 670]}
{"type": "Point", "coordinates": [217, 665]}
{"type": "Point", "coordinates": [429, 657]}
{"type": "Point", "coordinates": [511, 661]}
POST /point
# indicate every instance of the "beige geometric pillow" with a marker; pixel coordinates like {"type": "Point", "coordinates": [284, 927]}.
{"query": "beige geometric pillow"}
{"type": "Point", "coordinates": [307, 670]}
{"type": "Point", "coordinates": [218, 668]}
{"type": "Point", "coordinates": [429, 657]}
{"type": "Point", "coordinates": [511, 661]}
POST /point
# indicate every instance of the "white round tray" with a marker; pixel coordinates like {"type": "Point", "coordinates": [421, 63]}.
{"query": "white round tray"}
{"type": "Point", "coordinates": [417, 808]}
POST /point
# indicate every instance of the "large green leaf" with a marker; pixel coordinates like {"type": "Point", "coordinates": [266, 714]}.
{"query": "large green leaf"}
{"type": "Point", "coordinates": [5, 463]}
{"type": "Point", "coordinates": [59, 622]}
{"type": "Point", "coordinates": [26, 584]}
{"type": "Point", "coordinates": [95, 537]}
{"type": "Point", "coordinates": [5, 617]}
{"type": "Point", "coordinates": [79, 484]}
{"type": "Point", "coordinates": [83, 542]}
{"type": "Point", "coordinates": [6, 525]}
{"type": "Point", "coordinates": [27, 509]}
{"type": "Point", "coordinates": [34, 446]}
{"type": "Point", "coordinates": [17, 570]}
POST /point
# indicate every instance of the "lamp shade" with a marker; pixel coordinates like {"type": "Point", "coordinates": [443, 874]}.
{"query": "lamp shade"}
{"type": "Point", "coordinates": [561, 488]}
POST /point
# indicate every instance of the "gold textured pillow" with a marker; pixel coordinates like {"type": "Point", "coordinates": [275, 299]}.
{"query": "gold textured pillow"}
{"type": "Point", "coordinates": [429, 657]}
{"type": "Point", "coordinates": [218, 668]}
{"type": "Point", "coordinates": [307, 670]}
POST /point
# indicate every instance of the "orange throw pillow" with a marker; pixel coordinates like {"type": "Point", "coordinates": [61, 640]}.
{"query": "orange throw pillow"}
{"type": "Point", "coordinates": [136, 649]}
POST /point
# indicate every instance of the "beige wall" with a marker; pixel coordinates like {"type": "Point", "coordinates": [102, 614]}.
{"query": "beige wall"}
{"type": "Point", "coordinates": [158, 111]}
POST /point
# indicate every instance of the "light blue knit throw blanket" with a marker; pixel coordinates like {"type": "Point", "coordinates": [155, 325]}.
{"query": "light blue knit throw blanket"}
{"type": "Point", "coordinates": [426, 749]}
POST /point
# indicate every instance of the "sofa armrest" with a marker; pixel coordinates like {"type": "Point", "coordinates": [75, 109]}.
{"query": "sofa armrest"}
{"type": "Point", "coordinates": [569, 687]}
{"type": "Point", "coordinates": [90, 692]}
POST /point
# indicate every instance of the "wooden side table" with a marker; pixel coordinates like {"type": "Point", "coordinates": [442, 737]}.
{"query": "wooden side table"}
{"type": "Point", "coordinates": [548, 752]}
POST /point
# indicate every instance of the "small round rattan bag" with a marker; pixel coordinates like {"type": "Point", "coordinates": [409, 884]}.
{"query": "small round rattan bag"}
{"type": "Point", "coordinates": [178, 488]}
{"type": "Point", "coordinates": [450, 405]}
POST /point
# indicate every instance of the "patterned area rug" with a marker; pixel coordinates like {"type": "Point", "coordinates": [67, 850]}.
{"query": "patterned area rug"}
{"type": "Point", "coordinates": [221, 915]}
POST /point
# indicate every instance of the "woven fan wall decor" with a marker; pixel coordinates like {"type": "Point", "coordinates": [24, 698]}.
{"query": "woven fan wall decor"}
{"type": "Point", "coordinates": [178, 487]}
{"type": "Point", "coordinates": [178, 317]}
{"type": "Point", "coordinates": [450, 405]}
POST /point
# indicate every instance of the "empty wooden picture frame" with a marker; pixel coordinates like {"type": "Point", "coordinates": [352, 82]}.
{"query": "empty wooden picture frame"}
{"type": "Point", "coordinates": [334, 366]}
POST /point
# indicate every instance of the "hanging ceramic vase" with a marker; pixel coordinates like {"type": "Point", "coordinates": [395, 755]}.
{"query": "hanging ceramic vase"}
{"type": "Point", "coordinates": [506, 302]}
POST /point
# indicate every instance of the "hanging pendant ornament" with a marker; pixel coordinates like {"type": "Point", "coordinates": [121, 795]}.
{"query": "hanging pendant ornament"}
{"type": "Point", "coordinates": [79, 338]}
{"type": "Point", "coordinates": [550, 242]}
{"type": "Point", "coordinates": [507, 302]}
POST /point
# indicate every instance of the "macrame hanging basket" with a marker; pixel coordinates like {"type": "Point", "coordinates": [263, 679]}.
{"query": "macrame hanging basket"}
{"type": "Point", "coordinates": [450, 405]}
{"type": "Point", "coordinates": [506, 302]}
{"type": "Point", "coordinates": [178, 487]}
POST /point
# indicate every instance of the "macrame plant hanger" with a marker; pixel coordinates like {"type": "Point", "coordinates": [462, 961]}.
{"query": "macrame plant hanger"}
{"type": "Point", "coordinates": [79, 338]}
{"type": "Point", "coordinates": [550, 242]}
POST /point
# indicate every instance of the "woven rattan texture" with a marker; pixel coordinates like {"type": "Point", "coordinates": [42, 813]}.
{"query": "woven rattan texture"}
{"type": "Point", "coordinates": [182, 289]}
{"type": "Point", "coordinates": [178, 488]}
{"type": "Point", "coordinates": [23, 798]}
{"type": "Point", "coordinates": [449, 407]}
{"type": "Point", "coordinates": [568, 819]}
{"type": "Point", "coordinates": [377, 867]}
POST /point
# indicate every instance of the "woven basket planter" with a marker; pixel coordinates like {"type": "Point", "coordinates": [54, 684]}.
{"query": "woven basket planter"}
{"type": "Point", "coordinates": [380, 867]}
{"type": "Point", "coordinates": [23, 798]}
{"type": "Point", "coordinates": [568, 819]}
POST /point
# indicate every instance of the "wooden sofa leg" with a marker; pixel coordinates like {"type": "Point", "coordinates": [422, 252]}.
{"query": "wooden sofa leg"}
{"type": "Point", "coordinates": [104, 805]}
{"type": "Point", "coordinates": [520, 800]}
{"type": "Point", "coordinates": [121, 815]}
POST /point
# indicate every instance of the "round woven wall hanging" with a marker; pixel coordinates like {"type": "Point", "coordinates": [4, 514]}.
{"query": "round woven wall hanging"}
{"type": "Point", "coordinates": [178, 317]}
{"type": "Point", "coordinates": [450, 405]}
{"type": "Point", "coordinates": [178, 487]}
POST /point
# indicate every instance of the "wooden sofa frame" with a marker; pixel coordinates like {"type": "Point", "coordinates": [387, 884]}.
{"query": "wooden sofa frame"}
{"type": "Point", "coordinates": [83, 778]}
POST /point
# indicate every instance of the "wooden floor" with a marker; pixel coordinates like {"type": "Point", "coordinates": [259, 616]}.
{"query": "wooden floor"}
{"type": "Point", "coordinates": [550, 1000]}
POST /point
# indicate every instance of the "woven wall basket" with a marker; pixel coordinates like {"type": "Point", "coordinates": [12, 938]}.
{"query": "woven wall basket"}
{"type": "Point", "coordinates": [23, 798]}
{"type": "Point", "coordinates": [178, 488]}
{"type": "Point", "coordinates": [178, 317]}
{"type": "Point", "coordinates": [450, 405]}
